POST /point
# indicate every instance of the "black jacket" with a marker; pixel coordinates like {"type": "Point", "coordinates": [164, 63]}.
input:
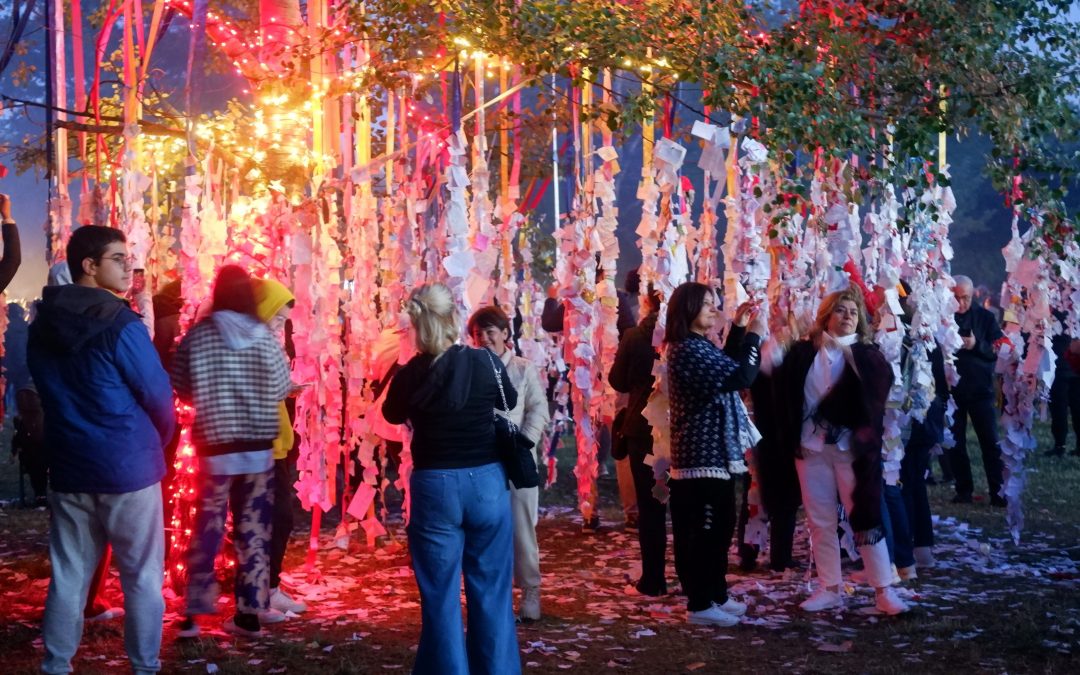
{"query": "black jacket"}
{"type": "Point", "coordinates": [976, 365]}
{"type": "Point", "coordinates": [632, 374]}
{"type": "Point", "coordinates": [856, 402]}
{"type": "Point", "coordinates": [777, 478]}
{"type": "Point", "coordinates": [450, 404]}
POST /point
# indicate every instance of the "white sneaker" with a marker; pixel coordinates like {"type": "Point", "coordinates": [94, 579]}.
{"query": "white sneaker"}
{"type": "Point", "coordinates": [887, 602]}
{"type": "Point", "coordinates": [908, 573]}
{"type": "Point", "coordinates": [272, 615]}
{"type": "Point", "coordinates": [281, 601]}
{"type": "Point", "coordinates": [108, 614]}
{"type": "Point", "coordinates": [713, 616]}
{"type": "Point", "coordinates": [924, 556]}
{"type": "Point", "coordinates": [530, 603]}
{"type": "Point", "coordinates": [821, 600]}
{"type": "Point", "coordinates": [732, 607]}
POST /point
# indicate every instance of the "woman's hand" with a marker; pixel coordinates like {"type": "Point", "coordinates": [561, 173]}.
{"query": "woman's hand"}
{"type": "Point", "coordinates": [743, 313]}
{"type": "Point", "coordinates": [758, 325]}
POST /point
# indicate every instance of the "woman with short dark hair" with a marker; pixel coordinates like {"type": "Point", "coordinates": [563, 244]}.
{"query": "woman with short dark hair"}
{"type": "Point", "coordinates": [490, 327]}
{"type": "Point", "coordinates": [710, 430]}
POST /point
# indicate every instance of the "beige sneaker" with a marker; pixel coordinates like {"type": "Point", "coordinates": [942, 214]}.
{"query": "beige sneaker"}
{"type": "Point", "coordinates": [281, 601]}
{"type": "Point", "coordinates": [530, 604]}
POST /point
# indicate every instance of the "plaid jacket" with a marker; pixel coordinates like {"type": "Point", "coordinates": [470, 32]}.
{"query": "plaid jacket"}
{"type": "Point", "coordinates": [235, 391]}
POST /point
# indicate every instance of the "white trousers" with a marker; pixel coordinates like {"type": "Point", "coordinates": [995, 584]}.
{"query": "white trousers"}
{"type": "Point", "coordinates": [823, 476]}
{"type": "Point", "coordinates": [523, 509]}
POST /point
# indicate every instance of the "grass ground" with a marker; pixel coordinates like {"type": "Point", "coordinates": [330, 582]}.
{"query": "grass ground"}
{"type": "Point", "coordinates": [987, 606]}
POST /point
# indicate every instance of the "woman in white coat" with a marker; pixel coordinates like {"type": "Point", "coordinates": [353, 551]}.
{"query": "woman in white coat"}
{"type": "Point", "coordinates": [490, 327]}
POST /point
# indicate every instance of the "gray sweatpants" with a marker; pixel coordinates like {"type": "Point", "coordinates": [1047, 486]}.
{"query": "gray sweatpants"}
{"type": "Point", "coordinates": [80, 525]}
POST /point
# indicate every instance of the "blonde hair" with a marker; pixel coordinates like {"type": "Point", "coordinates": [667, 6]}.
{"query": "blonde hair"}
{"type": "Point", "coordinates": [435, 318]}
{"type": "Point", "coordinates": [829, 303]}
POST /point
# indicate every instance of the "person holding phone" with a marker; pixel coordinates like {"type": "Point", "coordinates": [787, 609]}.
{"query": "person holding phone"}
{"type": "Point", "coordinates": [974, 395]}
{"type": "Point", "coordinates": [710, 431]}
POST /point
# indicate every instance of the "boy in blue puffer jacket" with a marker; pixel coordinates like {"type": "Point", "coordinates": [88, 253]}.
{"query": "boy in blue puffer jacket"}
{"type": "Point", "coordinates": [108, 411]}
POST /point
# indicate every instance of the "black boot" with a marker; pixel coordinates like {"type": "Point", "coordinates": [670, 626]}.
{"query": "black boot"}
{"type": "Point", "coordinates": [1057, 451]}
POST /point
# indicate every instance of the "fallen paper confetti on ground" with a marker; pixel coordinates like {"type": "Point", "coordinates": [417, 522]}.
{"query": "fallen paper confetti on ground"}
{"type": "Point", "coordinates": [986, 605]}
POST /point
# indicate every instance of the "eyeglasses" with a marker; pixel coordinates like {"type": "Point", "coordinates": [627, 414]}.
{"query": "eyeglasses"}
{"type": "Point", "coordinates": [125, 261]}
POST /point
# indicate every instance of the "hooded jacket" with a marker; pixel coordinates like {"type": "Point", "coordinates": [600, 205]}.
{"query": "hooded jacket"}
{"type": "Point", "coordinates": [107, 400]}
{"type": "Point", "coordinates": [450, 403]}
{"type": "Point", "coordinates": [270, 297]}
{"type": "Point", "coordinates": [232, 369]}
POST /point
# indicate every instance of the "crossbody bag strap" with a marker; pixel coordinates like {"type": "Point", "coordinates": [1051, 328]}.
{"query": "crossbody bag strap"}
{"type": "Point", "coordinates": [498, 380]}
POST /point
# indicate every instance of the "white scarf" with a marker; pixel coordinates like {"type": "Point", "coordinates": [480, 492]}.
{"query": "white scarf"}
{"type": "Point", "coordinates": [824, 372]}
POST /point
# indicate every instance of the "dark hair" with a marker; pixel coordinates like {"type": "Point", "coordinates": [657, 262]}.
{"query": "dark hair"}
{"type": "Point", "coordinates": [488, 316]}
{"type": "Point", "coordinates": [89, 241]}
{"type": "Point", "coordinates": [233, 291]}
{"type": "Point", "coordinates": [683, 307]}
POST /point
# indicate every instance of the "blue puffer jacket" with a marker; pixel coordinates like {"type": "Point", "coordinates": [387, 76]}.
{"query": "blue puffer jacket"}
{"type": "Point", "coordinates": [108, 403]}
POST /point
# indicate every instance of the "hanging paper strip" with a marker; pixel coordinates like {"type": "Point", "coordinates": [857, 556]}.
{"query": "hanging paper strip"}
{"type": "Point", "coordinates": [510, 217]}
{"type": "Point", "coordinates": [370, 354]}
{"type": "Point", "coordinates": [483, 236]}
{"type": "Point", "coordinates": [884, 258]}
{"type": "Point", "coordinates": [458, 261]}
{"type": "Point", "coordinates": [201, 244]}
{"type": "Point", "coordinates": [1025, 361]}
{"type": "Point", "coordinates": [60, 201]}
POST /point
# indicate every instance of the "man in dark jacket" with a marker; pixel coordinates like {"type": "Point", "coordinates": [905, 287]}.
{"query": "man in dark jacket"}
{"type": "Point", "coordinates": [974, 395]}
{"type": "Point", "coordinates": [1064, 394]}
{"type": "Point", "coordinates": [108, 411]}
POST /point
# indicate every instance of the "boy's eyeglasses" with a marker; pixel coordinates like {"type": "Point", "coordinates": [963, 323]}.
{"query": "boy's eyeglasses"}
{"type": "Point", "coordinates": [125, 261]}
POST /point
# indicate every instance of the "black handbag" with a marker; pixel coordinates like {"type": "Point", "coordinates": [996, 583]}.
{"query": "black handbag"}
{"type": "Point", "coordinates": [513, 447]}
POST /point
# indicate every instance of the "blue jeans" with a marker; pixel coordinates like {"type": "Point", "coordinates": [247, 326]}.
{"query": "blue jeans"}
{"type": "Point", "coordinates": [895, 522]}
{"type": "Point", "coordinates": [913, 468]}
{"type": "Point", "coordinates": [460, 522]}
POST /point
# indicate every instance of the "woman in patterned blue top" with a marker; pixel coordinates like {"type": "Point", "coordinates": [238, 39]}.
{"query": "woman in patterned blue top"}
{"type": "Point", "coordinates": [710, 429]}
